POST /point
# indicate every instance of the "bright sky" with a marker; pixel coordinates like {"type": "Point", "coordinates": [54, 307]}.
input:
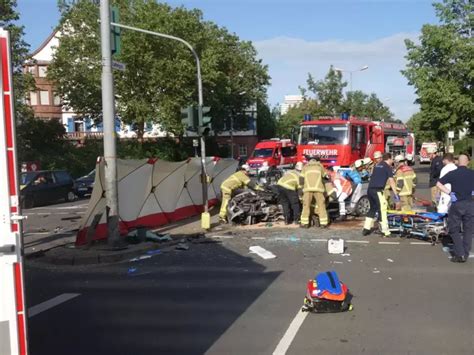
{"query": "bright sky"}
{"type": "Point", "coordinates": [295, 37]}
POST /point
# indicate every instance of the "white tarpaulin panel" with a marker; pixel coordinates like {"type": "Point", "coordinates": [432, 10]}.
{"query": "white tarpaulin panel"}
{"type": "Point", "coordinates": [153, 192]}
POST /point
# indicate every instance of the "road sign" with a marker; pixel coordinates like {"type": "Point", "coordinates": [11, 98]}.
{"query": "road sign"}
{"type": "Point", "coordinates": [118, 65]}
{"type": "Point", "coordinates": [115, 40]}
{"type": "Point", "coordinates": [451, 149]}
{"type": "Point", "coordinates": [307, 117]}
{"type": "Point", "coordinates": [13, 326]}
{"type": "Point", "coordinates": [450, 134]}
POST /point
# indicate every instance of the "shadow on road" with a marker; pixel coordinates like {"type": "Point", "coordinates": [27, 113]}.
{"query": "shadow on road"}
{"type": "Point", "coordinates": [180, 302]}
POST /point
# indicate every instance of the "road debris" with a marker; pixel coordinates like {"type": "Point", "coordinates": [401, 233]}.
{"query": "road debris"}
{"type": "Point", "coordinates": [154, 237]}
{"type": "Point", "coordinates": [335, 246]}
{"type": "Point", "coordinates": [390, 260]}
{"type": "Point", "coordinates": [143, 257]}
{"type": "Point", "coordinates": [337, 262]}
{"type": "Point", "coordinates": [131, 270]}
{"type": "Point", "coordinates": [376, 271]}
{"type": "Point", "coordinates": [346, 254]}
{"type": "Point", "coordinates": [390, 278]}
{"type": "Point", "coordinates": [294, 239]}
{"type": "Point", "coordinates": [261, 252]}
{"type": "Point", "coordinates": [182, 246]}
{"type": "Point", "coordinates": [154, 252]}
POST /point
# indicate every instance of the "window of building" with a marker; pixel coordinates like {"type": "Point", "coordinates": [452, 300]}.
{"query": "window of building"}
{"type": "Point", "coordinates": [56, 99]}
{"type": "Point", "coordinates": [44, 97]}
{"type": "Point", "coordinates": [33, 98]}
{"type": "Point", "coordinates": [42, 71]}
{"type": "Point", "coordinates": [31, 69]}
{"type": "Point", "coordinates": [242, 150]}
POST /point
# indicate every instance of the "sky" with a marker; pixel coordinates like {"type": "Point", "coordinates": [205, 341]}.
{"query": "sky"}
{"type": "Point", "coordinates": [297, 37]}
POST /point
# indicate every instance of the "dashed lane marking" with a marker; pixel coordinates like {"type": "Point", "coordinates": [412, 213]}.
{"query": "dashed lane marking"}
{"type": "Point", "coordinates": [222, 236]}
{"type": "Point", "coordinates": [290, 333]}
{"type": "Point", "coordinates": [389, 243]}
{"type": "Point", "coordinates": [420, 243]}
{"type": "Point", "coordinates": [258, 238]}
{"type": "Point", "coordinates": [318, 240]}
{"type": "Point", "coordinates": [53, 302]}
{"type": "Point", "coordinates": [358, 241]}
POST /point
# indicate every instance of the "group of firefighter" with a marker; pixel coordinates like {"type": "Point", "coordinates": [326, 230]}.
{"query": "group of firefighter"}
{"type": "Point", "coordinates": [312, 186]}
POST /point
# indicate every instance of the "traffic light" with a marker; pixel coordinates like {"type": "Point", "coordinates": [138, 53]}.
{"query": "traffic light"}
{"type": "Point", "coordinates": [205, 123]}
{"type": "Point", "coordinates": [115, 41]}
{"type": "Point", "coordinates": [189, 118]}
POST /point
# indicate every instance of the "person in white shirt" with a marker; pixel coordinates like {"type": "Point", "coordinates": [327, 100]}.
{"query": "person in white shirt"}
{"type": "Point", "coordinates": [445, 199]}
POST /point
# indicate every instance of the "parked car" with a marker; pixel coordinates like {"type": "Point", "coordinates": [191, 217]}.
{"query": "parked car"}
{"type": "Point", "coordinates": [46, 186]}
{"type": "Point", "coordinates": [85, 184]}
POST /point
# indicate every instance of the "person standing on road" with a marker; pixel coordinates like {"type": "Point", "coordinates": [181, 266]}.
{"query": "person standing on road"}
{"type": "Point", "coordinates": [461, 212]}
{"type": "Point", "coordinates": [405, 179]}
{"type": "Point", "coordinates": [445, 200]}
{"type": "Point", "coordinates": [288, 194]}
{"type": "Point", "coordinates": [313, 190]}
{"type": "Point", "coordinates": [378, 203]}
{"type": "Point", "coordinates": [343, 190]}
{"type": "Point", "coordinates": [435, 171]}
{"type": "Point", "coordinates": [237, 180]}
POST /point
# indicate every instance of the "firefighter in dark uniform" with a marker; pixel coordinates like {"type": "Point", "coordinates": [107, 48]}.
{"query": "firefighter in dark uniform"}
{"type": "Point", "coordinates": [288, 194]}
{"type": "Point", "coordinates": [236, 181]}
{"type": "Point", "coordinates": [313, 190]}
{"type": "Point", "coordinates": [461, 212]}
{"type": "Point", "coordinates": [378, 203]}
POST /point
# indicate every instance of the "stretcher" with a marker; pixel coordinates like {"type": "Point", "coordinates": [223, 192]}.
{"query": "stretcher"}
{"type": "Point", "coordinates": [430, 226]}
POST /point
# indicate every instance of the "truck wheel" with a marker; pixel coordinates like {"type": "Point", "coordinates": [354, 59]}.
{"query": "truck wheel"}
{"type": "Point", "coordinates": [363, 206]}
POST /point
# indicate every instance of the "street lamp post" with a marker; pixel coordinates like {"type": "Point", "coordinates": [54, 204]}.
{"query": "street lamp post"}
{"type": "Point", "coordinates": [205, 217]}
{"type": "Point", "coordinates": [365, 67]}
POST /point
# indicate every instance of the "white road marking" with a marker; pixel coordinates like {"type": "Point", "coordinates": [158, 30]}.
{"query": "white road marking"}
{"type": "Point", "coordinates": [258, 238]}
{"type": "Point", "coordinates": [39, 233]}
{"type": "Point", "coordinates": [358, 241]}
{"type": "Point", "coordinates": [420, 243]}
{"type": "Point", "coordinates": [318, 240]}
{"type": "Point", "coordinates": [222, 236]}
{"type": "Point", "coordinates": [389, 243]}
{"type": "Point", "coordinates": [53, 302]}
{"type": "Point", "coordinates": [290, 333]}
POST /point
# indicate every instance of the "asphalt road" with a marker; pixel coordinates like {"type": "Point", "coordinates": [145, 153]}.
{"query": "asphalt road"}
{"type": "Point", "coordinates": [217, 298]}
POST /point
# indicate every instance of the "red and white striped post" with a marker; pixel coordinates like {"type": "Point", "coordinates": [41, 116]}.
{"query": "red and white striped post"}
{"type": "Point", "coordinates": [13, 328]}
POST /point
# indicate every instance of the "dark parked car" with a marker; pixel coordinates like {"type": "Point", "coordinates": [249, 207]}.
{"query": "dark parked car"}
{"type": "Point", "coordinates": [85, 184]}
{"type": "Point", "coordinates": [46, 186]}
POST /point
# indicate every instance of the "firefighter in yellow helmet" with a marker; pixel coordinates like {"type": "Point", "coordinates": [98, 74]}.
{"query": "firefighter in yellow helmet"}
{"type": "Point", "coordinates": [405, 179]}
{"type": "Point", "coordinates": [289, 189]}
{"type": "Point", "coordinates": [236, 181]}
{"type": "Point", "coordinates": [313, 189]}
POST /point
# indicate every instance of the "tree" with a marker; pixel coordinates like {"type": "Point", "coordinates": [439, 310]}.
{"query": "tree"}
{"type": "Point", "coordinates": [292, 119]}
{"type": "Point", "coordinates": [421, 128]}
{"type": "Point", "coordinates": [441, 68]}
{"type": "Point", "coordinates": [22, 82]}
{"type": "Point", "coordinates": [160, 75]}
{"type": "Point", "coordinates": [328, 91]}
{"type": "Point", "coordinates": [266, 121]}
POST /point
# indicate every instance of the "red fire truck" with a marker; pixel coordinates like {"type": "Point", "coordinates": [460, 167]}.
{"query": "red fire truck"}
{"type": "Point", "coordinates": [272, 153]}
{"type": "Point", "coordinates": [341, 142]}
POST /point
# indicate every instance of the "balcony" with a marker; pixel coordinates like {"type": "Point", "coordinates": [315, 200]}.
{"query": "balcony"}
{"type": "Point", "coordinates": [79, 136]}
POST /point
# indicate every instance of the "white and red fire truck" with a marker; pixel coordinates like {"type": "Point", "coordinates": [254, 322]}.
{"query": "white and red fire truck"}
{"type": "Point", "coordinates": [341, 142]}
{"type": "Point", "coordinates": [13, 337]}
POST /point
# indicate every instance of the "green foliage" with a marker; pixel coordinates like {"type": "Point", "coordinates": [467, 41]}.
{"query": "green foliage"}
{"type": "Point", "coordinates": [266, 121]}
{"type": "Point", "coordinates": [160, 75]}
{"type": "Point", "coordinates": [421, 128]}
{"type": "Point", "coordinates": [441, 68]}
{"type": "Point", "coordinates": [358, 103]}
{"type": "Point", "coordinates": [22, 83]}
{"type": "Point", "coordinates": [328, 91]}
{"type": "Point", "coordinates": [292, 119]}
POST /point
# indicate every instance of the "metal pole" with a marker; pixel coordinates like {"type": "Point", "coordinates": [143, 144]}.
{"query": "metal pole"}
{"type": "Point", "coordinates": [232, 136]}
{"type": "Point", "coordinates": [200, 101]}
{"type": "Point", "coordinates": [108, 117]}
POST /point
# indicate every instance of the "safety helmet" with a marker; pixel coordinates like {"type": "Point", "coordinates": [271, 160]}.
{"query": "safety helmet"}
{"type": "Point", "coordinates": [378, 154]}
{"type": "Point", "coordinates": [399, 158]}
{"type": "Point", "coordinates": [409, 156]}
{"type": "Point", "coordinates": [299, 166]}
{"type": "Point", "coordinates": [245, 167]}
{"type": "Point", "coordinates": [366, 161]}
{"type": "Point", "coordinates": [336, 168]}
{"type": "Point", "coordinates": [358, 163]}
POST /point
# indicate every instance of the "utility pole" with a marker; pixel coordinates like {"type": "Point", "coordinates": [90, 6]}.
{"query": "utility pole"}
{"type": "Point", "coordinates": [108, 118]}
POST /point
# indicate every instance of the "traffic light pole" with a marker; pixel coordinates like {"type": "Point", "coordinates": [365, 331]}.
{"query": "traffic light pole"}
{"type": "Point", "coordinates": [108, 118]}
{"type": "Point", "coordinates": [205, 215]}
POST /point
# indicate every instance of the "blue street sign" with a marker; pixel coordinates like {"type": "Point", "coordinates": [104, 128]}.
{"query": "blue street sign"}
{"type": "Point", "coordinates": [307, 117]}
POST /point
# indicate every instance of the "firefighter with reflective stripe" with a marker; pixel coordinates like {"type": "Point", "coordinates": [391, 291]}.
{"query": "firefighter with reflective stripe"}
{"type": "Point", "coordinates": [378, 204]}
{"type": "Point", "coordinates": [343, 190]}
{"type": "Point", "coordinates": [405, 179]}
{"type": "Point", "coordinates": [288, 194]}
{"type": "Point", "coordinates": [237, 180]}
{"type": "Point", "coordinates": [313, 189]}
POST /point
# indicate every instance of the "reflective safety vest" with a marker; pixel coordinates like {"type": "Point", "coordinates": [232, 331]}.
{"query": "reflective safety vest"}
{"type": "Point", "coordinates": [235, 181]}
{"type": "Point", "coordinates": [405, 179]}
{"type": "Point", "coordinates": [313, 174]}
{"type": "Point", "coordinates": [341, 184]}
{"type": "Point", "coordinates": [290, 181]}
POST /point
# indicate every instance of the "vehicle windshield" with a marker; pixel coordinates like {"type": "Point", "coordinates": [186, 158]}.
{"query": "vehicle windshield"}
{"type": "Point", "coordinates": [25, 178]}
{"type": "Point", "coordinates": [324, 134]}
{"type": "Point", "coordinates": [263, 153]}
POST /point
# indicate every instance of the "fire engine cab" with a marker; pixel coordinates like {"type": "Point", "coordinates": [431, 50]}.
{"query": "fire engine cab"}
{"type": "Point", "coordinates": [341, 142]}
{"type": "Point", "coordinates": [272, 153]}
{"type": "Point", "coordinates": [12, 305]}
